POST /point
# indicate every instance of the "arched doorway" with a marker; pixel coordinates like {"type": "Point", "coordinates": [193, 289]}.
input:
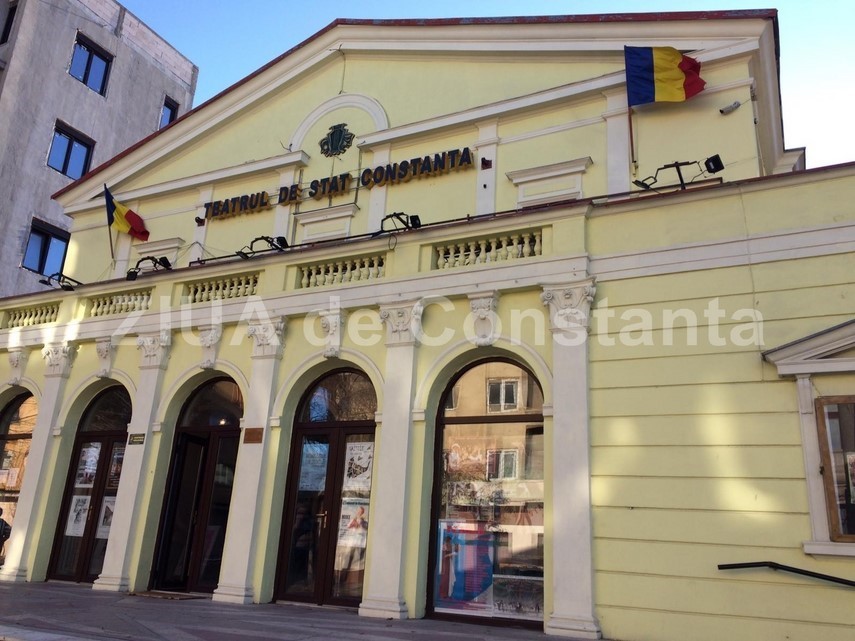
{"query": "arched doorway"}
{"type": "Point", "coordinates": [90, 491]}
{"type": "Point", "coordinates": [487, 527]}
{"type": "Point", "coordinates": [199, 490]}
{"type": "Point", "coordinates": [16, 433]}
{"type": "Point", "coordinates": [327, 511]}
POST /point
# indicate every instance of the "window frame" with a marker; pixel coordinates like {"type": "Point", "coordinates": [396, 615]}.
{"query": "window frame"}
{"type": "Point", "coordinates": [172, 105]}
{"type": "Point", "coordinates": [499, 466]}
{"type": "Point", "coordinates": [93, 51]}
{"type": "Point", "coordinates": [502, 405]}
{"type": "Point", "coordinates": [8, 23]}
{"type": "Point", "coordinates": [51, 233]}
{"type": "Point", "coordinates": [73, 136]}
{"type": "Point", "coordinates": [835, 527]}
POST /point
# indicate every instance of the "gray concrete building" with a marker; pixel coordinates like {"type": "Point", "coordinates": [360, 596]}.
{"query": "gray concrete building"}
{"type": "Point", "coordinates": [80, 81]}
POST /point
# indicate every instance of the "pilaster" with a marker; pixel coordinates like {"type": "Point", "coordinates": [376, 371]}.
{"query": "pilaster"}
{"type": "Point", "coordinates": [384, 596]}
{"type": "Point", "coordinates": [124, 536]}
{"type": "Point", "coordinates": [25, 544]}
{"type": "Point", "coordinates": [572, 565]}
{"type": "Point", "coordinates": [237, 573]}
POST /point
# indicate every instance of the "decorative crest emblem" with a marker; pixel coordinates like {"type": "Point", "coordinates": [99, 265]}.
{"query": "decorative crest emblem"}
{"type": "Point", "coordinates": [337, 141]}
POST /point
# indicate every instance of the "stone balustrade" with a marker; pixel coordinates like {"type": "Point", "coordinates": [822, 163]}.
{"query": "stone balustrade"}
{"type": "Point", "coordinates": [121, 303]}
{"type": "Point", "coordinates": [348, 270]}
{"type": "Point", "coordinates": [489, 249]}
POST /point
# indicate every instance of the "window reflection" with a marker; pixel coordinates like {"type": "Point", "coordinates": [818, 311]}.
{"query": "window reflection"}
{"type": "Point", "coordinates": [16, 430]}
{"type": "Point", "coordinates": [342, 396]}
{"type": "Point", "coordinates": [489, 535]}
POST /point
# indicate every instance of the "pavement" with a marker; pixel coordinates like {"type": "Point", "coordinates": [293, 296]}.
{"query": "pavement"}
{"type": "Point", "coordinates": [57, 611]}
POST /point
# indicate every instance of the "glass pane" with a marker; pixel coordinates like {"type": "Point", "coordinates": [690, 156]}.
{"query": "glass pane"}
{"type": "Point", "coordinates": [78, 160]}
{"type": "Point", "coordinates": [218, 512]}
{"type": "Point", "coordinates": [97, 73]}
{"type": "Point", "coordinates": [109, 412]}
{"type": "Point", "coordinates": [167, 114]}
{"type": "Point", "coordinates": [309, 516]}
{"type": "Point", "coordinates": [79, 510]}
{"type": "Point", "coordinates": [353, 516]}
{"type": "Point", "coordinates": [58, 151]}
{"type": "Point", "coordinates": [496, 386]}
{"type": "Point", "coordinates": [55, 256]}
{"type": "Point", "coordinates": [107, 508]}
{"type": "Point", "coordinates": [34, 252]}
{"type": "Point", "coordinates": [341, 396]}
{"type": "Point", "coordinates": [490, 529]}
{"type": "Point", "coordinates": [19, 418]}
{"type": "Point", "coordinates": [78, 61]}
{"type": "Point", "coordinates": [840, 420]}
{"type": "Point", "coordinates": [176, 554]}
{"type": "Point", "coordinates": [217, 403]}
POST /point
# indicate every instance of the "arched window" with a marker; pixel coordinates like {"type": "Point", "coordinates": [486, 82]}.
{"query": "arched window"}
{"type": "Point", "coordinates": [16, 434]}
{"type": "Point", "coordinates": [487, 539]}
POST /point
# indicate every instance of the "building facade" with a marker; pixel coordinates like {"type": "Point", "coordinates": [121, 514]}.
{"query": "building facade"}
{"type": "Point", "coordinates": [429, 324]}
{"type": "Point", "coordinates": [80, 81]}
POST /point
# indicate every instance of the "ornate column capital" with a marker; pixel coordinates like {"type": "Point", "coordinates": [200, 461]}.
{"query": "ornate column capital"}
{"type": "Point", "coordinates": [268, 337]}
{"type": "Point", "coordinates": [155, 349]}
{"type": "Point", "coordinates": [209, 338]}
{"type": "Point", "coordinates": [403, 323]}
{"type": "Point", "coordinates": [59, 359]}
{"type": "Point", "coordinates": [18, 357]}
{"type": "Point", "coordinates": [485, 327]}
{"type": "Point", "coordinates": [104, 348]}
{"type": "Point", "coordinates": [332, 325]}
{"type": "Point", "coordinates": [569, 305]}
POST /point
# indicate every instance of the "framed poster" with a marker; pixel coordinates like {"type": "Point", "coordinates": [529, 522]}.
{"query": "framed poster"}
{"type": "Point", "coordinates": [76, 523]}
{"type": "Point", "coordinates": [313, 466]}
{"type": "Point", "coordinates": [87, 465]}
{"type": "Point", "coordinates": [464, 577]}
{"type": "Point", "coordinates": [115, 471]}
{"type": "Point", "coordinates": [359, 458]}
{"type": "Point", "coordinates": [105, 519]}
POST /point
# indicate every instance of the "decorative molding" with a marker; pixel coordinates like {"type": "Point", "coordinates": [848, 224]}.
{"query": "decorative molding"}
{"type": "Point", "coordinates": [155, 349]}
{"type": "Point", "coordinates": [484, 318]}
{"type": "Point", "coordinates": [403, 323]}
{"type": "Point", "coordinates": [327, 223]}
{"type": "Point", "coordinates": [59, 359]}
{"type": "Point", "coordinates": [549, 183]}
{"type": "Point", "coordinates": [105, 348]}
{"type": "Point", "coordinates": [18, 357]}
{"type": "Point", "coordinates": [209, 338]}
{"type": "Point", "coordinates": [268, 337]}
{"type": "Point", "coordinates": [569, 305]}
{"type": "Point", "coordinates": [332, 324]}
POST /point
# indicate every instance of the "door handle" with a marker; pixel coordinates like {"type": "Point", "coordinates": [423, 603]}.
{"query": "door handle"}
{"type": "Point", "coordinates": [322, 515]}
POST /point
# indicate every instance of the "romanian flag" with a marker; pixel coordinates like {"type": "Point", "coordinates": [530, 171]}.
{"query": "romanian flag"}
{"type": "Point", "coordinates": [660, 74]}
{"type": "Point", "coordinates": [123, 219]}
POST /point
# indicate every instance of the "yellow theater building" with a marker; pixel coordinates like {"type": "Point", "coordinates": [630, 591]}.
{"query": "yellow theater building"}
{"type": "Point", "coordinates": [430, 323]}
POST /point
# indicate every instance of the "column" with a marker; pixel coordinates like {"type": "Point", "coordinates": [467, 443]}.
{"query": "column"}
{"type": "Point", "coordinates": [237, 573]}
{"type": "Point", "coordinates": [572, 567]}
{"type": "Point", "coordinates": [125, 533]}
{"type": "Point", "coordinates": [26, 541]}
{"type": "Point", "coordinates": [384, 596]}
{"type": "Point", "coordinates": [618, 159]}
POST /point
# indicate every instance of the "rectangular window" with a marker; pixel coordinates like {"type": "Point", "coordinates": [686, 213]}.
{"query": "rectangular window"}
{"type": "Point", "coordinates": [502, 395]}
{"type": "Point", "coordinates": [46, 247]}
{"type": "Point", "coordinates": [501, 464]}
{"type": "Point", "coordinates": [168, 113]}
{"type": "Point", "coordinates": [70, 152]}
{"type": "Point", "coordinates": [7, 25]}
{"type": "Point", "coordinates": [836, 422]}
{"type": "Point", "coordinates": [90, 65]}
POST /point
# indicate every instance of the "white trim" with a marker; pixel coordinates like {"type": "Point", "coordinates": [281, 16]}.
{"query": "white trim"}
{"type": "Point", "coordinates": [568, 174]}
{"type": "Point", "coordinates": [305, 220]}
{"type": "Point", "coordinates": [357, 101]}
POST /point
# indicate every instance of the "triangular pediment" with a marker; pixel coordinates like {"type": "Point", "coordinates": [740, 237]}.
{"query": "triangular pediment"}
{"type": "Point", "coordinates": [828, 351]}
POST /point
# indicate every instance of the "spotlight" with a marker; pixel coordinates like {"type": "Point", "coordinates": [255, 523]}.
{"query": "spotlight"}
{"type": "Point", "coordinates": [242, 254]}
{"type": "Point", "coordinates": [643, 184]}
{"type": "Point", "coordinates": [724, 111]}
{"type": "Point", "coordinates": [66, 283]}
{"type": "Point", "coordinates": [157, 263]}
{"type": "Point", "coordinates": [415, 222]}
{"type": "Point", "coordinates": [713, 164]}
{"type": "Point", "coordinates": [200, 222]}
{"type": "Point", "coordinates": [400, 222]}
{"type": "Point", "coordinates": [280, 243]}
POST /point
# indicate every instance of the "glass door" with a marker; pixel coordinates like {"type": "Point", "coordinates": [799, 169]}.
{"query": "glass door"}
{"type": "Point", "coordinates": [328, 512]}
{"type": "Point", "coordinates": [90, 495]}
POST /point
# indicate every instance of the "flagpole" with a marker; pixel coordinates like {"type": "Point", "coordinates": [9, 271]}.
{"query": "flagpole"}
{"type": "Point", "coordinates": [109, 233]}
{"type": "Point", "coordinates": [631, 140]}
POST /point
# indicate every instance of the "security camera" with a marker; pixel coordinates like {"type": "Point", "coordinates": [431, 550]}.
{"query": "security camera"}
{"type": "Point", "coordinates": [730, 108]}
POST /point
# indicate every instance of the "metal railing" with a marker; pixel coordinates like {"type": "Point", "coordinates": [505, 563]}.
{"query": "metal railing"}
{"type": "Point", "coordinates": [786, 568]}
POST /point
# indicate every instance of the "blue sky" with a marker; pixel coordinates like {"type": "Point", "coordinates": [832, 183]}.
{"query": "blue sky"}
{"type": "Point", "coordinates": [229, 40]}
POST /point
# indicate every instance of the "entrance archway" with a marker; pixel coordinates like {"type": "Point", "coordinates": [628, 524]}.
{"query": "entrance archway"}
{"type": "Point", "coordinates": [327, 509]}
{"type": "Point", "coordinates": [199, 490]}
{"type": "Point", "coordinates": [90, 491]}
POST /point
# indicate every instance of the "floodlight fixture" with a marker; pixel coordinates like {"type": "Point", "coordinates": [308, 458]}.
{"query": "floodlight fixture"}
{"type": "Point", "coordinates": [399, 222]}
{"type": "Point", "coordinates": [66, 283]}
{"type": "Point", "coordinates": [279, 243]}
{"type": "Point", "coordinates": [157, 263]}
{"type": "Point", "coordinates": [711, 165]}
